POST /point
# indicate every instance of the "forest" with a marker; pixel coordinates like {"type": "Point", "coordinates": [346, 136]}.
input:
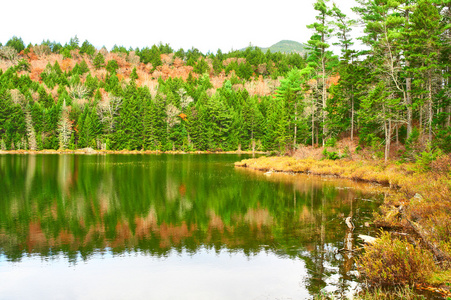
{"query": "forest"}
{"type": "Point", "coordinates": [389, 86]}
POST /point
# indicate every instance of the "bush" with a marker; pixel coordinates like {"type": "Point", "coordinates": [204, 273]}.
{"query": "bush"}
{"type": "Point", "coordinates": [425, 158]}
{"type": "Point", "coordinates": [442, 164]}
{"type": "Point", "coordinates": [331, 155]}
{"type": "Point", "coordinates": [332, 142]}
{"type": "Point", "coordinates": [391, 261]}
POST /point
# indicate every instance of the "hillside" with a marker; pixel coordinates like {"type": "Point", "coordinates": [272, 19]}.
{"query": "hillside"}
{"type": "Point", "coordinates": [72, 97]}
{"type": "Point", "coordinates": [286, 46]}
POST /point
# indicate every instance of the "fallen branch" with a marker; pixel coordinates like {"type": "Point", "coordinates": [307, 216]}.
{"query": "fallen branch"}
{"type": "Point", "coordinates": [438, 254]}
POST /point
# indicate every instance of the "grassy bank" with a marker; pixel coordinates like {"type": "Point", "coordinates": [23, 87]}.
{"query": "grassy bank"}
{"type": "Point", "coordinates": [420, 202]}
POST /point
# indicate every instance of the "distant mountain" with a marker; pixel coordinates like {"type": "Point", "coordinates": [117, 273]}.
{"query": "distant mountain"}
{"type": "Point", "coordinates": [287, 46]}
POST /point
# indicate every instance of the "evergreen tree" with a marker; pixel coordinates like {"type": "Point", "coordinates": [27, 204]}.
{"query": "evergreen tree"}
{"type": "Point", "coordinates": [424, 36]}
{"type": "Point", "coordinates": [130, 126]}
{"type": "Point", "coordinates": [99, 61]}
{"type": "Point", "coordinates": [290, 92]}
{"type": "Point", "coordinates": [318, 56]}
{"type": "Point", "coordinates": [87, 48]}
{"type": "Point", "coordinates": [16, 43]}
{"type": "Point", "coordinates": [112, 66]}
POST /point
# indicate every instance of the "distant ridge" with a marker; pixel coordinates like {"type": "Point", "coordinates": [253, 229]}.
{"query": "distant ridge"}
{"type": "Point", "coordinates": [286, 46]}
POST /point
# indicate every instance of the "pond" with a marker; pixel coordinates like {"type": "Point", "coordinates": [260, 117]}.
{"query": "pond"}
{"type": "Point", "coordinates": [173, 227]}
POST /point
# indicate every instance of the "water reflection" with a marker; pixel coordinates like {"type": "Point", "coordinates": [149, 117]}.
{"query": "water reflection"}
{"type": "Point", "coordinates": [165, 205]}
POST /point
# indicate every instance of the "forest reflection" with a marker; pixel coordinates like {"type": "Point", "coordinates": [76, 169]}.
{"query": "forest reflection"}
{"type": "Point", "coordinates": [157, 204]}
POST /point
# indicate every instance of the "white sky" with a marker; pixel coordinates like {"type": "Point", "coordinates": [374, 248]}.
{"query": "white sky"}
{"type": "Point", "coordinates": [206, 25]}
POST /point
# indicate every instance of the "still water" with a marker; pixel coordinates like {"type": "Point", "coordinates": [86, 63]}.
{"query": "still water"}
{"type": "Point", "coordinates": [173, 227]}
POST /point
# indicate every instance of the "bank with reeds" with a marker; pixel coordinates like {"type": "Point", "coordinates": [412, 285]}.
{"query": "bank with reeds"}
{"type": "Point", "coordinates": [420, 205]}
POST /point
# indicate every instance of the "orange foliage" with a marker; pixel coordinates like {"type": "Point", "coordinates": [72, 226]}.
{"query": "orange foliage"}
{"type": "Point", "coordinates": [183, 116]}
{"type": "Point", "coordinates": [100, 74]}
{"type": "Point", "coordinates": [178, 62]}
{"type": "Point", "coordinates": [218, 81]}
{"type": "Point", "coordinates": [333, 80]}
{"type": "Point", "coordinates": [167, 59]}
{"type": "Point", "coordinates": [35, 74]}
{"type": "Point", "coordinates": [31, 55]}
{"type": "Point", "coordinates": [36, 237]}
{"type": "Point", "coordinates": [227, 61]}
{"type": "Point", "coordinates": [166, 71]}
{"type": "Point", "coordinates": [120, 58]}
{"type": "Point", "coordinates": [67, 64]}
{"type": "Point", "coordinates": [215, 222]}
{"type": "Point", "coordinates": [65, 238]}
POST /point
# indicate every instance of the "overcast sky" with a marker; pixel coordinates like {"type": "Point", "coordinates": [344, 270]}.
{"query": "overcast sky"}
{"type": "Point", "coordinates": [205, 24]}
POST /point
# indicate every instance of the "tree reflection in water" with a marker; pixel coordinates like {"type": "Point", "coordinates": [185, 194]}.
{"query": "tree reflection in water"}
{"type": "Point", "coordinates": [160, 204]}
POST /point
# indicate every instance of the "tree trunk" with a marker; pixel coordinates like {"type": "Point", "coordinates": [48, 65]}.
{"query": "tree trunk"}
{"type": "Point", "coordinates": [408, 92]}
{"type": "Point", "coordinates": [430, 110]}
{"type": "Point", "coordinates": [409, 102]}
{"type": "Point", "coordinates": [352, 114]}
{"type": "Point", "coordinates": [313, 122]}
{"type": "Point", "coordinates": [388, 129]}
{"type": "Point", "coordinates": [295, 124]}
{"type": "Point", "coordinates": [448, 119]}
{"type": "Point", "coordinates": [324, 100]}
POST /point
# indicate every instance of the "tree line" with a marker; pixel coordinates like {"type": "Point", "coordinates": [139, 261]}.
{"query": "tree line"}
{"type": "Point", "coordinates": [391, 88]}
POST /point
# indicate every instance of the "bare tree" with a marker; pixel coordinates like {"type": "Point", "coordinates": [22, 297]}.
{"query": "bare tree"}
{"type": "Point", "coordinates": [64, 127]}
{"type": "Point", "coordinates": [107, 110]}
{"type": "Point", "coordinates": [31, 133]}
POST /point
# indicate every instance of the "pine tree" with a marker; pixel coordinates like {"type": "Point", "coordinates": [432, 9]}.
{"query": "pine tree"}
{"type": "Point", "coordinates": [424, 36]}
{"type": "Point", "coordinates": [99, 61]}
{"type": "Point", "coordinates": [129, 127]}
{"type": "Point", "coordinates": [319, 57]}
{"type": "Point", "coordinates": [290, 92]}
{"type": "Point", "coordinates": [112, 66]}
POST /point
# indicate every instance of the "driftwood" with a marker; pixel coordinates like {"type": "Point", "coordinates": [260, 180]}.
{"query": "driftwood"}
{"type": "Point", "coordinates": [367, 239]}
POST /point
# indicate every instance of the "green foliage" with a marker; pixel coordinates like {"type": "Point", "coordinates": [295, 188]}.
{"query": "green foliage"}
{"type": "Point", "coordinates": [112, 66]}
{"type": "Point", "coordinates": [66, 53]}
{"type": "Point", "coordinates": [74, 43]}
{"type": "Point", "coordinates": [16, 43]}
{"type": "Point", "coordinates": [331, 142]}
{"type": "Point", "coordinates": [332, 155]}
{"type": "Point", "coordinates": [151, 55]}
{"type": "Point", "coordinates": [443, 139]}
{"type": "Point", "coordinates": [133, 74]}
{"type": "Point", "coordinates": [119, 49]}
{"type": "Point", "coordinates": [201, 67]}
{"type": "Point", "coordinates": [425, 158]}
{"type": "Point", "coordinates": [87, 48]}
{"type": "Point", "coordinates": [99, 61]}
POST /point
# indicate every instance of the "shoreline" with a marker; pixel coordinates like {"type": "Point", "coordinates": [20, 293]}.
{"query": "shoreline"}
{"type": "Point", "coordinates": [421, 202]}
{"type": "Point", "coordinates": [91, 151]}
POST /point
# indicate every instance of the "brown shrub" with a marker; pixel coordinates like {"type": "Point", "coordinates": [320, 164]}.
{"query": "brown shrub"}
{"type": "Point", "coordinates": [391, 261]}
{"type": "Point", "coordinates": [442, 164]}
